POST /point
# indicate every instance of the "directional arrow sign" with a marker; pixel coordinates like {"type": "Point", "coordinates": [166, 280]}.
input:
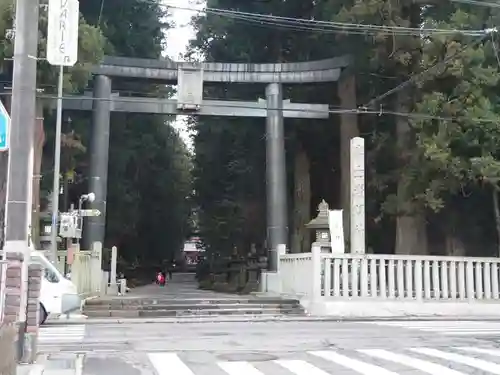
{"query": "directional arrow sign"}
{"type": "Point", "coordinates": [94, 212]}
{"type": "Point", "coordinates": [4, 128]}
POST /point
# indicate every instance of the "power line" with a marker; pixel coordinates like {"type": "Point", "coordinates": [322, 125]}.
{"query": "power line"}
{"type": "Point", "coordinates": [424, 73]}
{"type": "Point", "coordinates": [479, 3]}
{"type": "Point", "coordinates": [324, 26]}
{"type": "Point", "coordinates": [334, 111]}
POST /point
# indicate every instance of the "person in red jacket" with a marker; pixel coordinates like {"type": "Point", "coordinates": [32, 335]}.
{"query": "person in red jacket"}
{"type": "Point", "coordinates": [160, 278]}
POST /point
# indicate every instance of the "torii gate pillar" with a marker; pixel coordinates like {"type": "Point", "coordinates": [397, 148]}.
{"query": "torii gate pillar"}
{"type": "Point", "coordinates": [277, 219]}
{"type": "Point", "coordinates": [95, 227]}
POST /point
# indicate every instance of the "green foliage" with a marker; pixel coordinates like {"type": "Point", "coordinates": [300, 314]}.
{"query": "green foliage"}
{"type": "Point", "coordinates": [434, 164]}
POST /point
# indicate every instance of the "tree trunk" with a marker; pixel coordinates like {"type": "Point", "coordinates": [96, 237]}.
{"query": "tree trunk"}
{"type": "Point", "coordinates": [411, 231]}
{"type": "Point", "coordinates": [302, 203]}
{"type": "Point", "coordinates": [454, 246]}
{"type": "Point", "coordinates": [497, 216]}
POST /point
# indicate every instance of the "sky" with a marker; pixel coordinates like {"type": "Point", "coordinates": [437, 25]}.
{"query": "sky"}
{"type": "Point", "coordinates": [177, 42]}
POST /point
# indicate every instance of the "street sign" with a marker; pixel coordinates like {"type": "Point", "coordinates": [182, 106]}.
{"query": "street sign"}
{"type": "Point", "coordinates": [4, 128]}
{"type": "Point", "coordinates": [93, 212]}
{"type": "Point", "coordinates": [62, 32]}
{"type": "Point", "coordinates": [69, 226]}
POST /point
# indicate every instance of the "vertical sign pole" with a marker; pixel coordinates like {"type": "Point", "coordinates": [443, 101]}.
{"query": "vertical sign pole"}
{"type": "Point", "coordinates": [62, 50]}
{"type": "Point", "coordinates": [20, 176]}
{"type": "Point", "coordinates": [357, 208]}
{"type": "Point", "coordinates": [57, 167]}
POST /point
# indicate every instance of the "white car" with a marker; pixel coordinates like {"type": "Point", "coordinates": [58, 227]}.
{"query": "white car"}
{"type": "Point", "coordinates": [58, 295]}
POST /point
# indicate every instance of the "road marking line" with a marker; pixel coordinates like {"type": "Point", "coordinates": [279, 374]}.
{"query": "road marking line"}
{"type": "Point", "coordinates": [36, 370]}
{"type": "Point", "coordinates": [239, 368]}
{"type": "Point", "coordinates": [299, 367]}
{"type": "Point", "coordinates": [487, 366]}
{"type": "Point", "coordinates": [168, 364]}
{"type": "Point", "coordinates": [492, 352]}
{"type": "Point", "coordinates": [79, 364]}
{"type": "Point", "coordinates": [353, 364]}
{"type": "Point", "coordinates": [419, 364]}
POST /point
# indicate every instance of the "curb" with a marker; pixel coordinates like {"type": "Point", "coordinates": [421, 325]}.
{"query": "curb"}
{"type": "Point", "coordinates": [277, 319]}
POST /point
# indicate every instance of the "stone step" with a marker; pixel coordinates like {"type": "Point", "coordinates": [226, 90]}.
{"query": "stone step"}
{"type": "Point", "coordinates": [191, 312]}
{"type": "Point", "coordinates": [190, 306]}
{"type": "Point", "coordinates": [192, 301]}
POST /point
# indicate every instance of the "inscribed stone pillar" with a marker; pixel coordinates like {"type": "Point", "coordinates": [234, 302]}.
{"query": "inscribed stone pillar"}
{"type": "Point", "coordinates": [348, 130]}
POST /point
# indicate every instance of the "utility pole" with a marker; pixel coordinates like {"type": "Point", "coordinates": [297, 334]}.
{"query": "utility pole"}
{"type": "Point", "coordinates": [20, 172]}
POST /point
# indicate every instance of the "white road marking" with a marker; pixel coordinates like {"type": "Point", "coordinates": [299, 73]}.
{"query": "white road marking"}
{"type": "Point", "coordinates": [492, 352]}
{"type": "Point", "coordinates": [419, 364]}
{"type": "Point", "coordinates": [68, 333]}
{"type": "Point", "coordinates": [462, 359]}
{"type": "Point", "coordinates": [452, 328]}
{"type": "Point", "coordinates": [79, 364]}
{"type": "Point", "coordinates": [169, 364]}
{"type": "Point", "coordinates": [239, 368]}
{"type": "Point", "coordinates": [353, 364]}
{"type": "Point", "coordinates": [299, 367]}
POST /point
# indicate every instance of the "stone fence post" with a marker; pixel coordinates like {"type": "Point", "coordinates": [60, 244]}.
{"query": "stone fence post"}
{"type": "Point", "coordinates": [10, 299]}
{"type": "Point", "coordinates": [13, 287]}
{"type": "Point", "coordinates": [35, 274]}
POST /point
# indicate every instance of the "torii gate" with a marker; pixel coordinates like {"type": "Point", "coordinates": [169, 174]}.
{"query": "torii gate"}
{"type": "Point", "coordinates": [190, 78]}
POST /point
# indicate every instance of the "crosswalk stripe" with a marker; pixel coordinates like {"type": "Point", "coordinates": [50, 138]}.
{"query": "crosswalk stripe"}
{"type": "Point", "coordinates": [299, 367]}
{"type": "Point", "coordinates": [169, 363]}
{"type": "Point", "coordinates": [65, 333]}
{"type": "Point", "coordinates": [237, 368]}
{"type": "Point", "coordinates": [453, 328]}
{"type": "Point", "coordinates": [353, 364]}
{"type": "Point", "coordinates": [492, 352]}
{"type": "Point", "coordinates": [464, 360]}
{"type": "Point", "coordinates": [419, 364]}
{"type": "Point", "coordinates": [434, 324]}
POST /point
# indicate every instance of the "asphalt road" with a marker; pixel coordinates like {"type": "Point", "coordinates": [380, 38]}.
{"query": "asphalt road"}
{"type": "Point", "coordinates": [272, 348]}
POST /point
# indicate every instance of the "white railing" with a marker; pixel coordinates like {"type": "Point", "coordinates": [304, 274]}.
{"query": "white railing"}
{"type": "Point", "coordinates": [393, 277]}
{"type": "Point", "coordinates": [295, 271]}
{"type": "Point", "coordinates": [86, 273]}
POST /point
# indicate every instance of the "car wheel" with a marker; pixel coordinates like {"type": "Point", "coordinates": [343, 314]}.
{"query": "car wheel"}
{"type": "Point", "coordinates": [42, 316]}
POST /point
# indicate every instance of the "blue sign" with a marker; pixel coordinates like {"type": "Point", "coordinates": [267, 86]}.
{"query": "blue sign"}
{"type": "Point", "coordinates": [4, 128]}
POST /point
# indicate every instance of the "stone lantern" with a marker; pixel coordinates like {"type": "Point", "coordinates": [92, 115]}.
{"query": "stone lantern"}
{"type": "Point", "coordinates": [321, 226]}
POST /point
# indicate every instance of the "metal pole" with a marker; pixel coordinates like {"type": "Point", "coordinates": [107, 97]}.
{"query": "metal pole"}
{"type": "Point", "coordinates": [19, 172]}
{"type": "Point", "coordinates": [57, 168]}
{"type": "Point", "coordinates": [80, 219]}
{"type": "Point", "coordinates": [277, 220]}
